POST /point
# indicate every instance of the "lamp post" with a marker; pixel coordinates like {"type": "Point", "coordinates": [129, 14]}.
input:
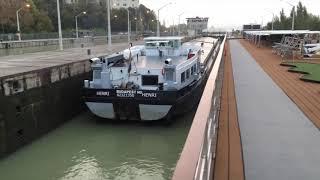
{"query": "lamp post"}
{"type": "Point", "coordinates": [179, 23]}
{"type": "Point", "coordinates": [272, 18]}
{"type": "Point", "coordinates": [18, 22]}
{"type": "Point", "coordinates": [294, 7]}
{"type": "Point", "coordinates": [158, 23]}
{"type": "Point", "coordinates": [129, 34]}
{"type": "Point", "coordinates": [136, 19]}
{"type": "Point", "coordinates": [59, 27]}
{"type": "Point", "coordinates": [173, 27]}
{"type": "Point", "coordinates": [152, 25]}
{"type": "Point", "coordinates": [77, 31]}
{"type": "Point", "coordinates": [272, 21]}
{"type": "Point", "coordinates": [109, 24]}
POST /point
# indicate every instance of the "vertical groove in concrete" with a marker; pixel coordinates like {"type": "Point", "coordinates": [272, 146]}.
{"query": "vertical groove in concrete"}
{"type": "Point", "coordinates": [278, 140]}
{"type": "Point", "coordinates": [229, 162]}
{"type": "Point", "coordinates": [2, 124]}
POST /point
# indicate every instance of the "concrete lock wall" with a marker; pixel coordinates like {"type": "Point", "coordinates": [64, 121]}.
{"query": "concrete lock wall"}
{"type": "Point", "coordinates": [34, 103]}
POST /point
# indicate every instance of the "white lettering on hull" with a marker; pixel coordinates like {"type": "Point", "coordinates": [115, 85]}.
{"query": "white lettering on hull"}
{"type": "Point", "coordinates": [149, 95]}
{"type": "Point", "coordinates": [103, 93]}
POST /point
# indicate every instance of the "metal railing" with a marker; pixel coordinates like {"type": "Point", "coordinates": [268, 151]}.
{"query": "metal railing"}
{"type": "Point", "coordinates": [69, 42]}
{"type": "Point", "coordinates": [197, 158]}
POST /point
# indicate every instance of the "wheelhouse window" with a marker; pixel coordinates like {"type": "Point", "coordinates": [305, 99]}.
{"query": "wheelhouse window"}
{"type": "Point", "coordinates": [195, 68]}
{"type": "Point", "coordinates": [176, 44]}
{"type": "Point", "coordinates": [183, 77]}
{"type": "Point", "coordinates": [169, 74]}
{"type": "Point", "coordinates": [151, 44]}
{"type": "Point", "coordinates": [97, 74]}
{"type": "Point", "coordinates": [192, 70]}
{"type": "Point", "coordinates": [162, 44]}
{"type": "Point", "coordinates": [150, 80]}
{"type": "Point", "coordinates": [188, 73]}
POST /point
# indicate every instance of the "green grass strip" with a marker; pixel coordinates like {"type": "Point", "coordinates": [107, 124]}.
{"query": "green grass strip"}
{"type": "Point", "coordinates": [311, 71]}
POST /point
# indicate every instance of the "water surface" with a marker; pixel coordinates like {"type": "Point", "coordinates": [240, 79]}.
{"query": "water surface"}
{"type": "Point", "coordinates": [84, 149]}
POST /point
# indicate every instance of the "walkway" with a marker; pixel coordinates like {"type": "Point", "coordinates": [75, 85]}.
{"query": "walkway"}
{"type": "Point", "coordinates": [228, 163]}
{"type": "Point", "coordinates": [278, 140]}
{"type": "Point", "coordinates": [11, 65]}
{"type": "Point", "coordinates": [305, 95]}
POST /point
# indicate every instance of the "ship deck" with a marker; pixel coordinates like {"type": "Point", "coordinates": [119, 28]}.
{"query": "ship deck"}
{"type": "Point", "coordinates": [154, 62]}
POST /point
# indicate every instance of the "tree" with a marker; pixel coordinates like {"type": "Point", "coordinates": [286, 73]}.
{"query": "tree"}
{"type": "Point", "coordinates": [39, 20]}
{"type": "Point", "coordinates": [303, 20]}
{"type": "Point", "coordinates": [42, 16]}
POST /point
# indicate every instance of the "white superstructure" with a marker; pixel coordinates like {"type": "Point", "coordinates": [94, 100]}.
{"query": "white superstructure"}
{"type": "Point", "coordinates": [162, 60]}
{"type": "Point", "coordinates": [144, 82]}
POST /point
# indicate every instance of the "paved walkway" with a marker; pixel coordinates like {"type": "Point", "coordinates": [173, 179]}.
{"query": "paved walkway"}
{"type": "Point", "coordinates": [278, 140]}
{"type": "Point", "coordinates": [228, 162]}
{"type": "Point", "coordinates": [10, 65]}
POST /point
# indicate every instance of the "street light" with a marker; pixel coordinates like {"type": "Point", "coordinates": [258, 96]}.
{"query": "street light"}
{"type": "Point", "coordinates": [292, 28]}
{"type": "Point", "coordinates": [129, 34]}
{"type": "Point", "coordinates": [77, 32]}
{"type": "Point", "coordinates": [136, 20]}
{"type": "Point", "coordinates": [109, 24]}
{"type": "Point", "coordinates": [158, 24]}
{"type": "Point", "coordinates": [18, 23]}
{"type": "Point", "coordinates": [179, 23]}
{"type": "Point", "coordinates": [173, 26]}
{"type": "Point", "coordinates": [152, 25]}
{"type": "Point", "coordinates": [59, 27]}
{"type": "Point", "coordinates": [272, 18]}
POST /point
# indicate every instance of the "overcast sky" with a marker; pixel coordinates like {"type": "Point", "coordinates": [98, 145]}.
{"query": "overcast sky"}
{"type": "Point", "coordinates": [227, 13]}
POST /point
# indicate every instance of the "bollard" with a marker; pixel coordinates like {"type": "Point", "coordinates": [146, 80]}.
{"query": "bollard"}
{"type": "Point", "coordinates": [89, 51]}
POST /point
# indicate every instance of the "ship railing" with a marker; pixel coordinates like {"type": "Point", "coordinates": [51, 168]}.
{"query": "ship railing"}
{"type": "Point", "coordinates": [196, 161]}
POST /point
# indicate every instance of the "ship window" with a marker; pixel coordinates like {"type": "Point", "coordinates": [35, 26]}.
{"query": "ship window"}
{"type": "Point", "coordinates": [96, 74]}
{"type": "Point", "coordinates": [195, 68]}
{"type": "Point", "coordinates": [188, 73]}
{"type": "Point", "coordinates": [176, 44]}
{"type": "Point", "coordinates": [168, 74]}
{"type": "Point", "coordinates": [151, 44]}
{"type": "Point", "coordinates": [183, 77]}
{"type": "Point", "coordinates": [192, 70]}
{"type": "Point", "coordinates": [170, 43]}
{"type": "Point", "coordinates": [149, 80]}
{"type": "Point", "coordinates": [162, 44]}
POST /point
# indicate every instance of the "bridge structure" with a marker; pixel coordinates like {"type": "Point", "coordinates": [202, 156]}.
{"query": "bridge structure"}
{"type": "Point", "coordinates": [249, 125]}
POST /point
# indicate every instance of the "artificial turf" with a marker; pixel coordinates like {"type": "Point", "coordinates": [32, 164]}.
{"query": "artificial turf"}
{"type": "Point", "coordinates": [311, 71]}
